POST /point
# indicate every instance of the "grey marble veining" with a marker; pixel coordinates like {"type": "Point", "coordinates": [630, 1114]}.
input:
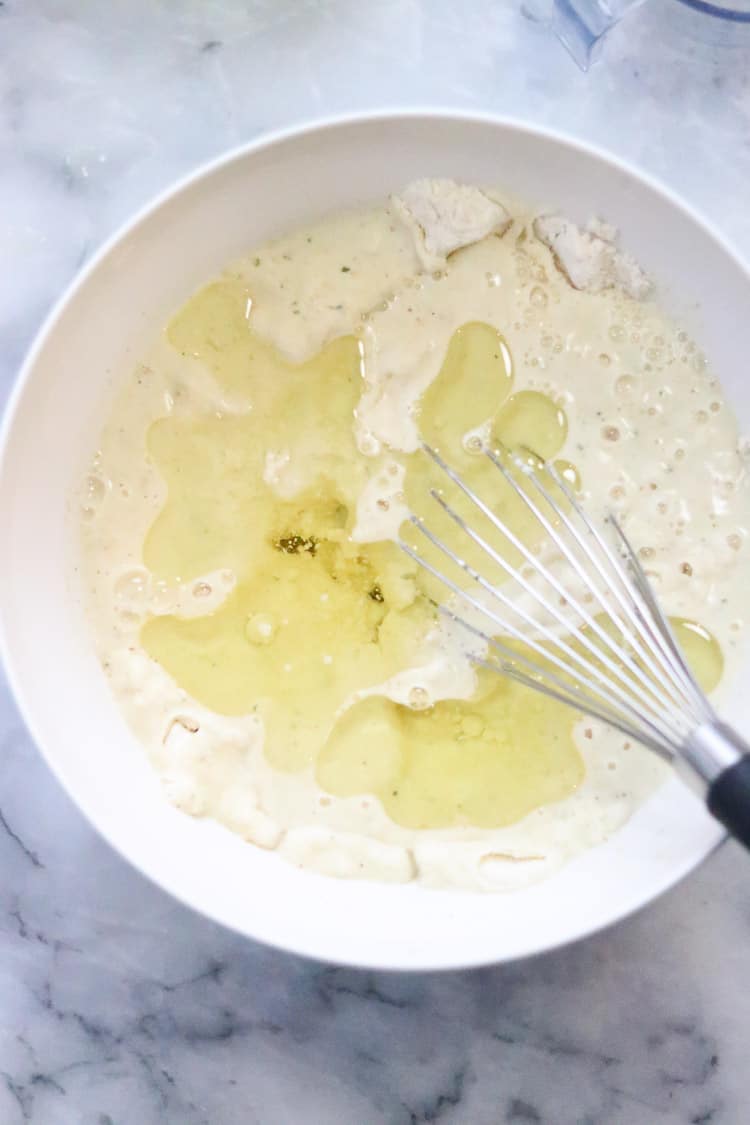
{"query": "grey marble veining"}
{"type": "Point", "coordinates": [117, 1005]}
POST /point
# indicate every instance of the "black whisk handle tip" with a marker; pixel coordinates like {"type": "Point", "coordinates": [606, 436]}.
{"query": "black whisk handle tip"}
{"type": "Point", "coordinates": [728, 799]}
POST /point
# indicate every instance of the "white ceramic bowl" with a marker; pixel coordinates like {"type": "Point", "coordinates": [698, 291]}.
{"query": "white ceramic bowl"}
{"type": "Point", "coordinates": [100, 327]}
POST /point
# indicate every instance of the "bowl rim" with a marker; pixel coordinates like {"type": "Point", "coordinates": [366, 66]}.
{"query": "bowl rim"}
{"type": "Point", "coordinates": [203, 172]}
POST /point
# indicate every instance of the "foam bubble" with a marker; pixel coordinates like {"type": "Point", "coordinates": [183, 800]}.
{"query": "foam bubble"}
{"type": "Point", "coordinates": [626, 386]}
{"type": "Point", "coordinates": [260, 629]}
{"type": "Point", "coordinates": [94, 491]}
{"type": "Point", "coordinates": [133, 587]}
{"type": "Point", "coordinates": [419, 699]}
{"type": "Point", "coordinates": [368, 445]}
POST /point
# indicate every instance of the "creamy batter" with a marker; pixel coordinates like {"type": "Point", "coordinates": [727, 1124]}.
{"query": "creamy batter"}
{"type": "Point", "coordinates": [276, 653]}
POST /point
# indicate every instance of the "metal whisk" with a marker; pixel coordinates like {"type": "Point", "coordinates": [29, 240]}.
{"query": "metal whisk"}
{"type": "Point", "coordinates": [585, 628]}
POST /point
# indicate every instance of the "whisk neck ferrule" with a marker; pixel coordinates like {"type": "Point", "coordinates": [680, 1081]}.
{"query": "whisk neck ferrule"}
{"type": "Point", "coordinates": [711, 749]}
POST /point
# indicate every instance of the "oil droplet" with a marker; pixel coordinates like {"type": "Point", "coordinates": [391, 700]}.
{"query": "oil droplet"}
{"type": "Point", "coordinates": [569, 474]}
{"type": "Point", "coordinates": [616, 332]}
{"type": "Point", "coordinates": [538, 297]}
{"type": "Point", "coordinates": [202, 590]}
{"type": "Point", "coordinates": [533, 421]}
{"type": "Point", "coordinates": [611, 433]}
{"type": "Point", "coordinates": [734, 541]}
{"type": "Point", "coordinates": [473, 382]}
{"type": "Point", "coordinates": [701, 650]}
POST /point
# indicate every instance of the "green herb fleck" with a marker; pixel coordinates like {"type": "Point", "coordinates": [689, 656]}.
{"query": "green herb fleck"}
{"type": "Point", "coordinates": [346, 269]}
{"type": "Point", "coordinates": [256, 261]}
{"type": "Point", "coordinates": [297, 544]}
{"type": "Point", "coordinates": [376, 594]}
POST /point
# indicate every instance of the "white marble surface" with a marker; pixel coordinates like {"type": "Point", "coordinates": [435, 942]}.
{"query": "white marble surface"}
{"type": "Point", "coordinates": [116, 1005]}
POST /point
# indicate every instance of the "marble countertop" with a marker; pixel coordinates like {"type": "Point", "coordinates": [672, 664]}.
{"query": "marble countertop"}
{"type": "Point", "coordinates": [119, 1006]}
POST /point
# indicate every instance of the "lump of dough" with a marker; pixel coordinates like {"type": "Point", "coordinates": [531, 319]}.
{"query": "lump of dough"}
{"type": "Point", "coordinates": [589, 257]}
{"type": "Point", "coordinates": [238, 810]}
{"type": "Point", "coordinates": [443, 216]}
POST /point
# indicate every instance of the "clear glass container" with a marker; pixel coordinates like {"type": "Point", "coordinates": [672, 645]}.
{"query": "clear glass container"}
{"type": "Point", "coordinates": [736, 12]}
{"type": "Point", "coordinates": [583, 24]}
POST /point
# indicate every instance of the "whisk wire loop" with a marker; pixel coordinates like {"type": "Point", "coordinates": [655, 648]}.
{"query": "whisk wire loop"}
{"type": "Point", "coordinates": [618, 662]}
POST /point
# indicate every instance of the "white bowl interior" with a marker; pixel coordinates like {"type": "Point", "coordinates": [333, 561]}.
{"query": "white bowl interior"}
{"type": "Point", "coordinates": [90, 340]}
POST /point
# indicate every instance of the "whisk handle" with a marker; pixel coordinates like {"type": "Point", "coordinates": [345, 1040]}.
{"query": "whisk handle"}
{"type": "Point", "coordinates": [728, 799]}
{"type": "Point", "coordinates": [715, 760]}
